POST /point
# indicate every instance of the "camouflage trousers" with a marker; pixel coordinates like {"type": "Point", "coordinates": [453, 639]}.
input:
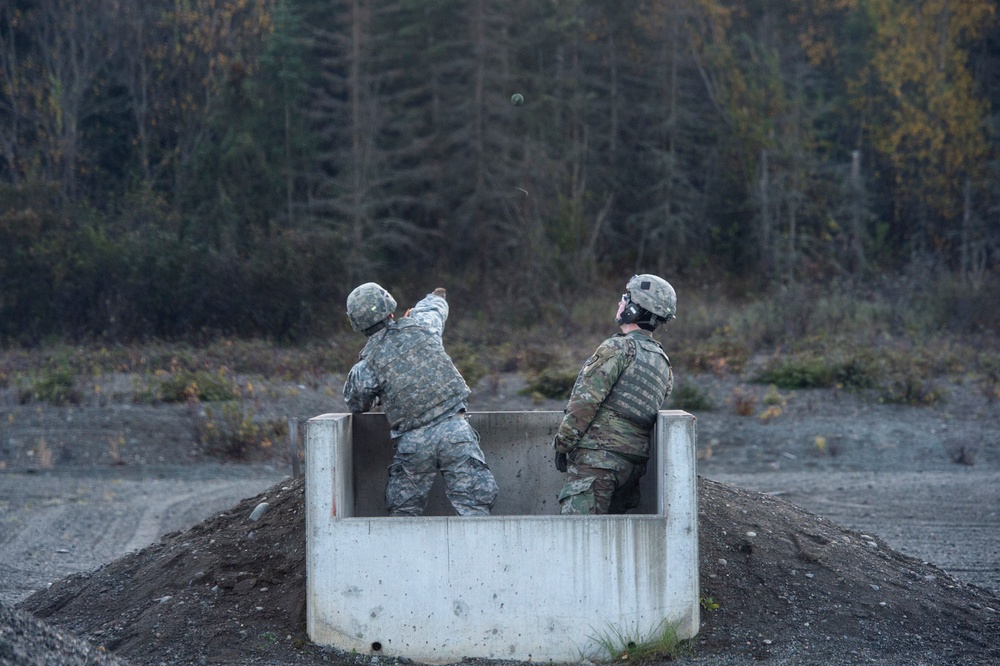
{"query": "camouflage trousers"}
{"type": "Point", "coordinates": [600, 482]}
{"type": "Point", "coordinates": [451, 447]}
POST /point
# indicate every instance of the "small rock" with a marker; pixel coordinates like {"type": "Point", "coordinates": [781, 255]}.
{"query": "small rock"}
{"type": "Point", "coordinates": [723, 562]}
{"type": "Point", "coordinates": [751, 534]}
{"type": "Point", "coordinates": [875, 587]}
{"type": "Point", "coordinates": [259, 511]}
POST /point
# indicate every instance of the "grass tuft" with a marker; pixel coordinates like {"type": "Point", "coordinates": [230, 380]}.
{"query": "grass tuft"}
{"type": "Point", "coordinates": [662, 644]}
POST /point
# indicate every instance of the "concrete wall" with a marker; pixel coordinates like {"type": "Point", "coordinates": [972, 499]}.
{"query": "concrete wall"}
{"type": "Point", "coordinates": [524, 583]}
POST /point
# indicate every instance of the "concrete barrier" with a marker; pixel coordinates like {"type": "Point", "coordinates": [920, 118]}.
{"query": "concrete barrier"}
{"type": "Point", "coordinates": [522, 584]}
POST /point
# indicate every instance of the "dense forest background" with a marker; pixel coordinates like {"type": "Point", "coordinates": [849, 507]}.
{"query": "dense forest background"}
{"type": "Point", "coordinates": [186, 168]}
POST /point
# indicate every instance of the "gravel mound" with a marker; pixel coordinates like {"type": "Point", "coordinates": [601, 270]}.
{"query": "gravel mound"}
{"type": "Point", "coordinates": [27, 641]}
{"type": "Point", "coordinates": [778, 584]}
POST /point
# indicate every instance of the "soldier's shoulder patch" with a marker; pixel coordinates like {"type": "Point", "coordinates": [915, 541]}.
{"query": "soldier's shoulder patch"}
{"type": "Point", "coordinates": [607, 351]}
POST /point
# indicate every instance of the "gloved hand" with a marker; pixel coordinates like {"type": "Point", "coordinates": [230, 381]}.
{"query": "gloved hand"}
{"type": "Point", "coordinates": [440, 291]}
{"type": "Point", "coordinates": [561, 462]}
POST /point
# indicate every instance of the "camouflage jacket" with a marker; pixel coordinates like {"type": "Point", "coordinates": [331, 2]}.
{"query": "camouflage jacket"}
{"type": "Point", "coordinates": [587, 422]}
{"type": "Point", "coordinates": [366, 386]}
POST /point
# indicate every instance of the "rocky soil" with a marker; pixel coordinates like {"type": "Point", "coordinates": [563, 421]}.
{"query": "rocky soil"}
{"type": "Point", "coordinates": [838, 531]}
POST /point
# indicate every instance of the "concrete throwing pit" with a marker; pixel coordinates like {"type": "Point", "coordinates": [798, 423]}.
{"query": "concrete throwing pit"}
{"type": "Point", "coordinates": [524, 583]}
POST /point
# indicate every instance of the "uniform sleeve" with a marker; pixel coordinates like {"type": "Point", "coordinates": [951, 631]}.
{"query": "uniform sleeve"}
{"type": "Point", "coordinates": [593, 384]}
{"type": "Point", "coordinates": [431, 313]}
{"type": "Point", "coordinates": [361, 387]}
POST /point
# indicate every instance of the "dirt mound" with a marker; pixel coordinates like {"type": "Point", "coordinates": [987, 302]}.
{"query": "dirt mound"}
{"type": "Point", "coordinates": [778, 583]}
{"type": "Point", "coordinates": [792, 585]}
{"type": "Point", "coordinates": [230, 590]}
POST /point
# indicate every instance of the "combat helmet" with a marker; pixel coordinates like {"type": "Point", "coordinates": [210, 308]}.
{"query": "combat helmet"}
{"type": "Point", "coordinates": [650, 301]}
{"type": "Point", "coordinates": [368, 306]}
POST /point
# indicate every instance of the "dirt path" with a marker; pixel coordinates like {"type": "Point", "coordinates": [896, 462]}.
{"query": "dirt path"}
{"type": "Point", "coordinates": [53, 525]}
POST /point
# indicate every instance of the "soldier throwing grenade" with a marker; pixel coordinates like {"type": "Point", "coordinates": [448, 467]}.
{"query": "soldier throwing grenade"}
{"type": "Point", "coordinates": [404, 365]}
{"type": "Point", "coordinates": [603, 441]}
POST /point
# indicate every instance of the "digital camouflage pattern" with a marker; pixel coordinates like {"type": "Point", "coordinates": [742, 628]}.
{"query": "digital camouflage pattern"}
{"type": "Point", "coordinates": [419, 383]}
{"type": "Point", "coordinates": [654, 294]}
{"type": "Point", "coordinates": [367, 305]}
{"type": "Point", "coordinates": [606, 449]}
{"type": "Point", "coordinates": [433, 433]}
{"type": "Point", "coordinates": [451, 446]}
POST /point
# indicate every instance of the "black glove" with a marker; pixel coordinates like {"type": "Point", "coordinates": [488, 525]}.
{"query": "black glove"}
{"type": "Point", "coordinates": [561, 462]}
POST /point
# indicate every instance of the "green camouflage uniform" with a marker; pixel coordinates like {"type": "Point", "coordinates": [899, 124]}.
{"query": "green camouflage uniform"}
{"type": "Point", "coordinates": [607, 452]}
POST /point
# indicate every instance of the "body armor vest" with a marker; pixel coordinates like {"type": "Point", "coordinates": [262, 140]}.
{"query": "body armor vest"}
{"type": "Point", "coordinates": [642, 386]}
{"type": "Point", "coordinates": [419, 381]}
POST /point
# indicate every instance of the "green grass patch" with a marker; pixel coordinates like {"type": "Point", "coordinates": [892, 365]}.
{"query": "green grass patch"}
{"type": "Point", "coordinates": [662, 644]}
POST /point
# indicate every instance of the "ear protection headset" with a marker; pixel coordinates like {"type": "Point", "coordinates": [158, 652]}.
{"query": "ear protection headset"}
{"type": "Point", "coordinates": [631, 312]}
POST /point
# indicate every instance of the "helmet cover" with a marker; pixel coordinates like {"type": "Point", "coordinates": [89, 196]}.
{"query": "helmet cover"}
{"type": "Point", "coordinates": [654, 295]}
{"type": "Point", "coordinates": [368, 305]}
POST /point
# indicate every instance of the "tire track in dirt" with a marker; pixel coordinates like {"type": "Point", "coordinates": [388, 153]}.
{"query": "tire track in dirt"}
{"type": "Point", "coordinates": [54, 526]}
{"type": "Point", "coordinates": [187, 506]}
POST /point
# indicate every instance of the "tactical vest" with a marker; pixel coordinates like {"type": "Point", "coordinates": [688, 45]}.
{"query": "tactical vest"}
{"type": "Point", "coordinates": [419, 381]}
{"type": "Point", "coordinates": [642, 386]}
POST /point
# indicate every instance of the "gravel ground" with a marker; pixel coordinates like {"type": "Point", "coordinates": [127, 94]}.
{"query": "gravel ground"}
{"type": "Point", "coordinates": [835, 472]}
{"type": "Point", "coordinates": [54, 524]}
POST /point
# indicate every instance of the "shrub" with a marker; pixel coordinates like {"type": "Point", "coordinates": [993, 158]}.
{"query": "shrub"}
{"type": "Point", "coordinates": [468, 363]}
{"type": "Point", "coordinates": [56, 386]}
{"type": "Point", "coordinates": [553, 383]}
{"type": "Point", "coordinates": [906, 388]}
{"type": "Point", "coordinates": [691, 398]}
{"type": "Point", "coordinates": [185, 385]}
{"type": "Point", "coordinates": [721, 353]}
{"type": "Point", "coordinates": [743, 401]}
{"type": "Point", "coordinates": [231, 431]}
{"type": "Point", "coordinates": [806, 371]}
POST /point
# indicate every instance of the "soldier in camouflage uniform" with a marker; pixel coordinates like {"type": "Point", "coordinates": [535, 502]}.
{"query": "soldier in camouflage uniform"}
{"type": "Point", "coordinates": [405, 368]}
{"type": "Point", "coordinates": [603, 441]}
